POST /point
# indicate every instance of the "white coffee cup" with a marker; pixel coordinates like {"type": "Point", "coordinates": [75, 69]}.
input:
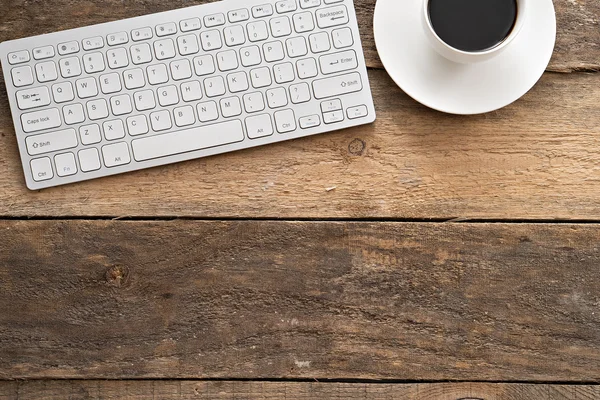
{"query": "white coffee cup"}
{"type": "Point", "coordinates": [467, 57]}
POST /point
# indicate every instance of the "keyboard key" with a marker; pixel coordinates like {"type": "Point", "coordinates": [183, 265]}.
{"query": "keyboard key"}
{"type": "Point", "coordinates": [237, 82]}
{"type": "Point", "coordinates": [63, 92]}
{"type": "Point", "coordinates": [73, 114]}
{"type": "Point", "coordinates": [41, 169]}
{"type": "Point", "coordinates": [93, 43]}
{"type": "Point", "coordinates": [357, 112]}
{"type": "Point", "coordinates": [284, 73]}
{"type": "Point", "coordinates": [141, 34]}
{"type": "Point", "coordinates": [113, 130]}
{"type": "Point", "coordinates": [86, 88]}
{"type": "Point", "coordinates": [239, 15]}
{"type": "Point", "coordinates": [300, 93]}
{"type": "Point", "coordinates": [157, 74]}
{"type": "Point", "coordinates": [193, 139]}
{"type": "Point", "coordinates": [117, 58]}
{"type": "Point", "coordinates": [296, 47]}
{"type": "Point", "coordinates": [110, 83]}
{"type": "Point", "coordinates": [214, 20]}
{"type": "Point", "coordinates": [285, 6]}
{"type": "Point", "coordinates": [181, 70]}
{"type": "Point", "coordinates": [332, 16]}
{"type": "Point", "coordinates": [310, 3]}
{"type": "Point", "coordinates": [33, 98]}
{"type": "Point", "coordinates": [211, 40]}
{"type": "Point", "coordinates": [337, 85]}
{"type": "Point", "coordinates": [89, 160]}
{"type": "Point", "coordinates": [257, 31]}
{"type": "Point", "coordinates": [250, 56]}
{"type": "Point", "coordinates": [261, 77]}
{"type": "Point", "coordinates": [254, 102]}
{"type": "Point", "coordinates": [65, 164]}
{"type": "Point", "coordinates": [70, 67]}
{"type": "Point", "coordinates": [121, 105]}
{"type": "Point", "coordinates": [46, 71]}
{"type": "Point", "coordinates": [19, 57]}
{"type": "Point", "coordinates": [141, 53]}
{"type": "Point", "coordinates": [304, 22]}
{"type": "Point", "coordinates": [338, 62]}
{"type": "Point", "coordinates": [285, 121]}
{"type": "Point", "coordinates": [191, 91]}
{"type": "Point", "coordinates": [277, 98]}
{"type": "Point", "coordinates": [93, 62]}
{"type": "Point", "coordinates": [144, 100]}
{"type": "Point", "coordinates": [204, 65]}
{"type": "Point", "coordinates": [90, 134]}
{"type": "Point", "coordinates": [259, 126]}
{"type": "Point", "coordinates": [231, 107]}
{"type": "Point", "coordinates": [319, 42]}
{"type": "Point", "coordinates": [273, 51]}
{"type": "Point", "coordinates": [264, 10]}
{"type": "Point", "coordinates": [41, 120]}
{"type": "Point", "coordinates": [68, 48]}
{"type": "Point", "coordinates": [214, 86]}
{"type": "Point", "coordinates": [184, 116]}
{"type": "Point", "coordinates": [342, 38]}
{"type": "Point", "coordinates": [331, 105]}
{"type": "Point", "coordinates": [227, 60]}
{"type": "Point", "coordinates": [116, 154]}
{"type": "Point", "coordinates": [161, 121]}
{"type": "Point", "coordinates": [280, 27]}
{"type": "Point", "coordinates": [192, 24]}
{"type": "Point", "coordinates": [51, 142]}
{"type": "Point", "coordinates": [134, 78]}
{"type": "Point", "coordinates": [307, 68]}
{"type": "Point", "coordinates": [207, 111]}
{"type": "Point", "coordinates": [137, 125]}
{"type": "Point", "coordinates": [116, 39]}
{"type": "Point", "coordinates": [188, 45]}
{"type": "Point", "coordinates": [167, 96]}
{"type": "Point", "coordinates": [234, 35]}
{"type": "Point", "coordinates": [333, 117]}
{"type": "Point", "coordinates": [167, 29]}
{"type": "Point", "coordinates": [310, 121]}
{"type": "Point", "coordinates": [41, 53]}
{"type": "Point", "coordinates": [22, 76]}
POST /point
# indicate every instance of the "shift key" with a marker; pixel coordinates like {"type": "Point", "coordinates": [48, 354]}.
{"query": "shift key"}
{"type": "Point", "coordinates": [40, 120]}
{"type": "Point", "coordinates": [337, 85]}
{"type": "Point", "coordinates": [50, 142]}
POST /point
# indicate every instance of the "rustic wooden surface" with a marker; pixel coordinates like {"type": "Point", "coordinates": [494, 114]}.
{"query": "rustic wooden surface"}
{"type": "Point", "coordinates": [536, 159]}
{"type": "Point", "coordinates": [194, 299]}
{"type": "Point", "coordinates": [94, 298]}
{"type": "Point", "coordinates": [224, 390]}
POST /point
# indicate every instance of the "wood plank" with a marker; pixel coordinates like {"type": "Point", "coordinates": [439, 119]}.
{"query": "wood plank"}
{"type": "Point", "coordinates": [536, 159]}
{"type": "Point", "coordinates": [211, 390]}
{"type": "Point", "coordinates": [191, 299]}
{"type": "Point", "coordinates": [578, 41]}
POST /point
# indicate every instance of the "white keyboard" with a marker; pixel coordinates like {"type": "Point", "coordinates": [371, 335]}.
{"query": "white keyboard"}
{"type": "Point", "coordinates": [183, 84]}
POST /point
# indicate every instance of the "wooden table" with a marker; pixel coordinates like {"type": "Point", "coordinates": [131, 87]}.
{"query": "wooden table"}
{"type": "Point", "coordinates": [377, 262]}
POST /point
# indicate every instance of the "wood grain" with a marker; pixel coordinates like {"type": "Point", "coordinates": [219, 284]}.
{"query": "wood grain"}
{"type": "Point", "coordinates": [185, 299]}
{"type": "Point", "coordinates": [536, 159]}
{"type": "Point", "coordinates": [227, 390]}
{"type": "Point", "coordinates": [577, 48]}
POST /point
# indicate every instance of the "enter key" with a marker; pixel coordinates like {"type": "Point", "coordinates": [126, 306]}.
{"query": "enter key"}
{"type": "Point", "coordinates": [338, 62]}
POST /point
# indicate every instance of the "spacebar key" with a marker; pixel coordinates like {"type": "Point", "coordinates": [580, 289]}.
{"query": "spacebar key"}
{"type": "Point", "coordinates": [194, 139]}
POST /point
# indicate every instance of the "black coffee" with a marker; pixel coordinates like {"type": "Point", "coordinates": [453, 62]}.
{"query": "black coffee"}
{"type": "Point", "coordinates": [473, 25]}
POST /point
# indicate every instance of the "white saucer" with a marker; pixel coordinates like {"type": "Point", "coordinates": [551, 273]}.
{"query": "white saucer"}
{"type": "Point", "coordinates": [455, 88]}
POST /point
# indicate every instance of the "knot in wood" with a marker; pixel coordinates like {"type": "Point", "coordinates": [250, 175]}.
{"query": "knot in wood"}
{"type": "Point", "coordinates": [117, 276]}
{"type": "Point", "coordinates": [357, 147]}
